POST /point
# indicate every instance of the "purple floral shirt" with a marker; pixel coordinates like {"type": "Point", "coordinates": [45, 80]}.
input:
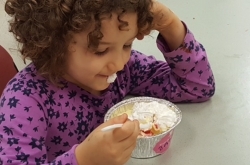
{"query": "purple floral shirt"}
{"type": "Point", "coordinates": [42, 124]}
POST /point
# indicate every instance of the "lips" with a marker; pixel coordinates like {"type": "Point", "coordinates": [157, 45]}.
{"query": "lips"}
{"type": "Point", "coordinates": [111, 78]}
{"type": "Point", "coordinates": [104, 76]}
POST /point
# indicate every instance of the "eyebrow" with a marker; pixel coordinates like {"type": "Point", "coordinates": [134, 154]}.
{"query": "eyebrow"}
{"type": "Point", "coordinates": [108, 43]}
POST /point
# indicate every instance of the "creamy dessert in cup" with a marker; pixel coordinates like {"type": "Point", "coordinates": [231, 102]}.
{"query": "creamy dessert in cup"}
{"type": "Point", "coordinates": [154, 118]}
{"type": "Point", "coordinates": [158, 119]}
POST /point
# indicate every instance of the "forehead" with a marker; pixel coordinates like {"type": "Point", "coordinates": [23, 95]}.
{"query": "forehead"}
{"type": "Point", "coordinates": [110, 29]}
{"type": "Point", "coordinates": [116, 21]}
{"type": "Point", "coordinates": [113, 30]}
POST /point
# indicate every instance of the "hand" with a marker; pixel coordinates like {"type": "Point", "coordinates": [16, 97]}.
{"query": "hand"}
{"type": "Point", "coordinates": [168, 25]}
{"type": "Point", "coordinates": [163, 16]}
{"type": "Point", "coordinates": [112, 148]}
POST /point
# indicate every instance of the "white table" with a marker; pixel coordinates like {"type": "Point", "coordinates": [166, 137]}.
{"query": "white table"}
{"type": "Point", "coordinates": [216, 132]}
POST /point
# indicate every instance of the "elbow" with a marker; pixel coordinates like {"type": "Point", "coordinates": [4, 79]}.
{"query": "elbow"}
{"type": "Point", "coordinates": [211, 91]}
{"type": "Point", "coordinates": [206, 93]}
{"type": "Point", "coordinates": [201, 94]}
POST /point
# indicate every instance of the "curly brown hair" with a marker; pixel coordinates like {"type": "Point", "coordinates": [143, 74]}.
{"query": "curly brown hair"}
{"type": "Point", "coordinates": [44, 27]}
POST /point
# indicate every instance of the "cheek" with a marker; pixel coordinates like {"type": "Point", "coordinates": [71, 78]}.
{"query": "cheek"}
{"type": "Point", "coordinates": [76, 63]}
{"type": "Point", "coordinates": [127, 57]}
{"type": "Point", "coordinates": [89, 67]}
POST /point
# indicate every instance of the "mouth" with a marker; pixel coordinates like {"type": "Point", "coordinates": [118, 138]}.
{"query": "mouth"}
{"type": "Point", "coordinates": [112, 78]}
{"type": "Point", "coordinates": [109, 79]}
{"type": "Point", "coordinates": [103, 76]}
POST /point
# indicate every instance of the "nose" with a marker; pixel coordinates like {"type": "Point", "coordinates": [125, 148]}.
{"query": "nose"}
{"type": "Point", "coordinates": [118, 61]}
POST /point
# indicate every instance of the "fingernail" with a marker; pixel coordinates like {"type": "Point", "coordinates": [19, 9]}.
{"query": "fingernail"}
{"type": "Point", "coordinates": [122, 116]}
{"type": "Point", "coordinates": [137, 123]}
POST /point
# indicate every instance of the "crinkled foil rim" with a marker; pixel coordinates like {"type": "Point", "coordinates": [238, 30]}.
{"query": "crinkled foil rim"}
{"type": "Point", "coordinates": [146, 99]}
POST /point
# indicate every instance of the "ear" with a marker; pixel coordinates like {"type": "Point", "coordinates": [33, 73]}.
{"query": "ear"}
{"type": "Point", "coordinates": [71, 46]}
{"type": "Point", "coordinates": [140, 36]}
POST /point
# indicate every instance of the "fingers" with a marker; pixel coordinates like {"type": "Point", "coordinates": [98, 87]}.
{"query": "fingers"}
{"type": "Point", "coordinates": [122, 141]}
{"type": "Point", "coordinates": [131, 140]}
{"type": "Point", "coordinates": [131, 135]}
{"type": "Point", "coordinates": [135, 132]}
{"type": "Point", "coordinates": [128, 151]}
{"type": "Point", "coordinates": [120, 119]}
{"type": "Point", "coordinates": [144, 32]}
{"type": "Point", "coordinates": [124, 132]}
{"type": "Point", "coordinates": [140, 36]}
{"type": "Point", "coordinates": [117, 120]}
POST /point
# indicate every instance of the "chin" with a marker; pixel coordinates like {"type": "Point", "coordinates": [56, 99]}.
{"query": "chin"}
{"type": "Point", "coordinates": [102, 88]}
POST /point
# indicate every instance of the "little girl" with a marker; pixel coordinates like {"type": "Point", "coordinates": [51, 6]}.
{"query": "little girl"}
{"type": "Point", "coordinates": [52, 111]}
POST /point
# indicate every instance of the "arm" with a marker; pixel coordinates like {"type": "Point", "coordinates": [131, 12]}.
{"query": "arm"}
{"type": "Point", "coordinates": [28, 127]}
{"type": "Point", "coordinates": [23, 130]}
{"type": "Point", "coordinates": [185, 77]}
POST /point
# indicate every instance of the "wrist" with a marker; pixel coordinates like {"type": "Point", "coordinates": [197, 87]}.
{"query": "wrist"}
{"type": "Point", "coordinates": [173, 34]}
{"type": "Point", "coordinates": [81, 157]}
{"type": "Point", "coordinates": [168, 25]}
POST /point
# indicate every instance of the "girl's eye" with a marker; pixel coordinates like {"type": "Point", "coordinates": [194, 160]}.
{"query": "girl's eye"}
{"type": "Point", "coordinates": [127, 46]}
{"type": "Point", "coordinates": [101, 53]}
{"type": "Point", "coordinates": [106, 50]}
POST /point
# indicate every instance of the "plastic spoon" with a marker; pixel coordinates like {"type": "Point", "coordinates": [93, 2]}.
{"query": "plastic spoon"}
{"type": "Point", "coordinates": [111, 127]}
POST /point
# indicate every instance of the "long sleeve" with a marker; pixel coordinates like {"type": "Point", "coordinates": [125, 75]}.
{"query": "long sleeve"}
{"type": "Point", "coordinates": [185, 76]}
{"type": "Point", "coordinates": [23, 130]}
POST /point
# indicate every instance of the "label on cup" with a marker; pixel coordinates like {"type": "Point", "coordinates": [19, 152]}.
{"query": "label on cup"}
{"type": "Point", "coordinates": [163, 144]}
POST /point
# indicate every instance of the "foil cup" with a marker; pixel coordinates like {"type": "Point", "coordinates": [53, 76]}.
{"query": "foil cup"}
{"type": "Point", "coordinates": [147, 147]}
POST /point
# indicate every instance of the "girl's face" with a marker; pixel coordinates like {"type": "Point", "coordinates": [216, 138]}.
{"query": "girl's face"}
{"type": "Point", "coordinates": [90, 69]}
